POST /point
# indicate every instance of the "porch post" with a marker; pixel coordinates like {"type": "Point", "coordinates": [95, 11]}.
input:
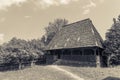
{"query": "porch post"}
{"type": "Point", "coordinates": [54, 52]}
{"type": "Point", "coordinates": [55, 56]}
{"type": "Point", "coordinates": [71, 52]}
{"type": "Point", "coordinates": [97, 57]}
{"type": "Point", "coordinates": [82, 51]}
{"type": "Point", "coordinates": [62, 54]}
{"type": "Point", "coordinates": [95, 52]}
{"type": "Point", "coordinates": [48, 55]}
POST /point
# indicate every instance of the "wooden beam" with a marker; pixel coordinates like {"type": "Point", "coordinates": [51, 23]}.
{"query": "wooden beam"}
{"type": "Point", "coordinates": [98, 52]}
{"type": "Point", "coordinates": [62, 52]}
{"type": "Point", "coordinates": [71, 51]}
{"type": "Point", "coordinates": [95, 52]}
{"type": "Point", "coordinates": [83, 51]}
{"type": "Point", "coordinates": [54, 52]}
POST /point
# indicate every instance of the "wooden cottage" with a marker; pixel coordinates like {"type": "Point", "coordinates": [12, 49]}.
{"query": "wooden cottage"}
{"type": "Point", "coordinates": [76, 42]}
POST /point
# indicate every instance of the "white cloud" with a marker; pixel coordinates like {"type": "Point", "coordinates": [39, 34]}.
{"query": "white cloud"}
{"type": "Point", "coordinates": [87, 8]}
{"type": "Point", "coordinates": [86, 11]}
{"type": "Point", "coordinates": [27, 17]}
{"type": "Point", "coordinates": [7, 3]}
{"type": "Point", "coordinates": [48, 3]}
{"type": "Point", "coordinates": [67, 1]}
{"type": "Point", "coordinates": [91, 4]}
{"type": "Point", "coordinates": [43, 3]}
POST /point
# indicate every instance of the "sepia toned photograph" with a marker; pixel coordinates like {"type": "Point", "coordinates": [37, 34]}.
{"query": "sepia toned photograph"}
{"type": "Point", "coordinates": [59, 39]}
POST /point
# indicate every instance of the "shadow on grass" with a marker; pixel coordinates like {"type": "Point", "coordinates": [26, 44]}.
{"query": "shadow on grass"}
{"type": "Point", "coordinates": [76, 63]}
{"type": "Point", "coordinates": [111, 78]}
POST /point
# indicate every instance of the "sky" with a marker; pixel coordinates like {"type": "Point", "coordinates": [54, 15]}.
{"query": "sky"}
{"type": "Point", "coordinates": [26, 19]}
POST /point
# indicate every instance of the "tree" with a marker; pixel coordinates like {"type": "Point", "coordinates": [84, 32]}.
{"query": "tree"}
{"type": "Point", "coordinates": [112, 42]}
{"type": "Point", "coordinates": [53, 28]}
{"type": "Point", "coordinates": [18, 51]}
{"type": "Point", "coordinates": [2, 55]}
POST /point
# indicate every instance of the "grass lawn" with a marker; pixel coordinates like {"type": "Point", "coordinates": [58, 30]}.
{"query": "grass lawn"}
{"type": "Point", "coordinates": [34, 73]}
{"type": "Point", "coordinates": [94, 73]}
{"type": "Point", "coordinates": [53, 73]}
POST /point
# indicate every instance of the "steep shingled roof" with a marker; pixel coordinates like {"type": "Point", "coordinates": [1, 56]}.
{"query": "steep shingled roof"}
{"type": "Point", "coordinates": [74, 35]}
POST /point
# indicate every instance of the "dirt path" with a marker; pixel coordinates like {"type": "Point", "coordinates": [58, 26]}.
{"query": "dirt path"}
{"type": "Point", "coordinates": [66, 72]}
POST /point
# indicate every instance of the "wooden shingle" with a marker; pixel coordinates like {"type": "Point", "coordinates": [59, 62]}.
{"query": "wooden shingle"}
{"type": "Point", "coordinates": [75, 35]}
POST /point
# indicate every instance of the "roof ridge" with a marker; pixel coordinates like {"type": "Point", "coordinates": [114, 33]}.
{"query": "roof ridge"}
{"type": "Point", "coordinates": [87, 19]}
